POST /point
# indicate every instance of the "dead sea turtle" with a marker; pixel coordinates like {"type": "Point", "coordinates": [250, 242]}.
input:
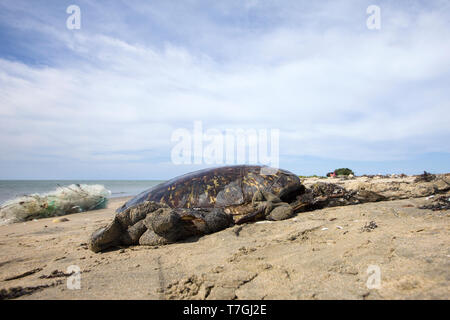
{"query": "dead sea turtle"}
{"type": "Point", "coordinates": [199, 203]}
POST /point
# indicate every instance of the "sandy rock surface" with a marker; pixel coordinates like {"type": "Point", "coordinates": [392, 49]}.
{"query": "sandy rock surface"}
{"type": "Point", "coordinates": [391, 188]}
{"type": "Point", "coordinates": [324, 254]}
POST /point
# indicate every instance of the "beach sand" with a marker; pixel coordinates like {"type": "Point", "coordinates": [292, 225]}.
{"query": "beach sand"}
{"type": "Point", "coordinates": [324, 254]}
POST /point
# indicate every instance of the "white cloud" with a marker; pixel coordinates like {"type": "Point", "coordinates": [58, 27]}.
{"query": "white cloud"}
{"type": "Point", "coordinates": [332, 91]}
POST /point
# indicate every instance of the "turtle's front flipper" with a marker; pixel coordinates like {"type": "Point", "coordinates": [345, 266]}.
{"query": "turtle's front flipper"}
{"type": "Point", "coordinates": [116, 234]}
{"type": "Point", "coordinates": [106, 237]}
{"type": "Point", "coordinates": [132, 234]}
{"type": "Point", "coordinates": [126, 229]}
{"type": "Point", "coordinates": [150, 238]}
{"type": "Point", "coordinates": [177, 224]}
{"type": "Point", "coordinates": [165, 223]}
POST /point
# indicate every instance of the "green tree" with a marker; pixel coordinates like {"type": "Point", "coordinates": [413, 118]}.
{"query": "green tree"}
{"type": "Point", "coordinates": [343, 172]}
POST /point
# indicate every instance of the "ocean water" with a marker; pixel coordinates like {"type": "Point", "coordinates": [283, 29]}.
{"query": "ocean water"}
{"type": "Point", "coordinates": [10, 189]}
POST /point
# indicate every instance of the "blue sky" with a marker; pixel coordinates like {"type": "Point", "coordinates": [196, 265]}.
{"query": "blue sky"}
{"type": "Point", "coordinates": [102, 102]}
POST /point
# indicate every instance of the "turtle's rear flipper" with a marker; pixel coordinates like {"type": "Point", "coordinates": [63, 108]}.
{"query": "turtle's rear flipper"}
{"type": "Point", "coordinates": [106, 237]}
{"type": "Point", "coordinates": [217, 220]}
{"type": "Point", "coordinates": [269, 206]}
{"type": "Point", "coordinates": [275, 209]}
{"type": "Point", "coordinates": [281, 211]}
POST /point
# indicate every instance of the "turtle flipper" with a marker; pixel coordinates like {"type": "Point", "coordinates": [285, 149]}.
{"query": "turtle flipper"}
{"type": "Point", "coordinates": [268, 206]}
{"type": "Point", "coordinates": [165, 223]}
{"type": "Point", "coordinates": [132, 235]}
{"type": "Point", "coordinates": [178, 224]}
{"type": "Point", "coordinates": [106, 237]}
{"type": "Point", "coordinates": [126, 229]}
{"type": "Point", "coordinates": [281, 211]}
{"type": "Point", "coordinates": [150, 238]}
{"type": "Point", "coordinates": [275, 209]}
{"type": "Point", "coordinates": [217, 220]}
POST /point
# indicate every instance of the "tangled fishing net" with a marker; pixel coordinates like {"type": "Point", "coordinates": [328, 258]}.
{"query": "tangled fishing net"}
{"type": "Point", "coordinates": [64, 200]}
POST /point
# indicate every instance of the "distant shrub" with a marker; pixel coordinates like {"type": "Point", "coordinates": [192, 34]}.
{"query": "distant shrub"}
{"type": "Point", "coordinates": [343, 172]}
{"type": "Point", "coordinates": [313, 176]}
